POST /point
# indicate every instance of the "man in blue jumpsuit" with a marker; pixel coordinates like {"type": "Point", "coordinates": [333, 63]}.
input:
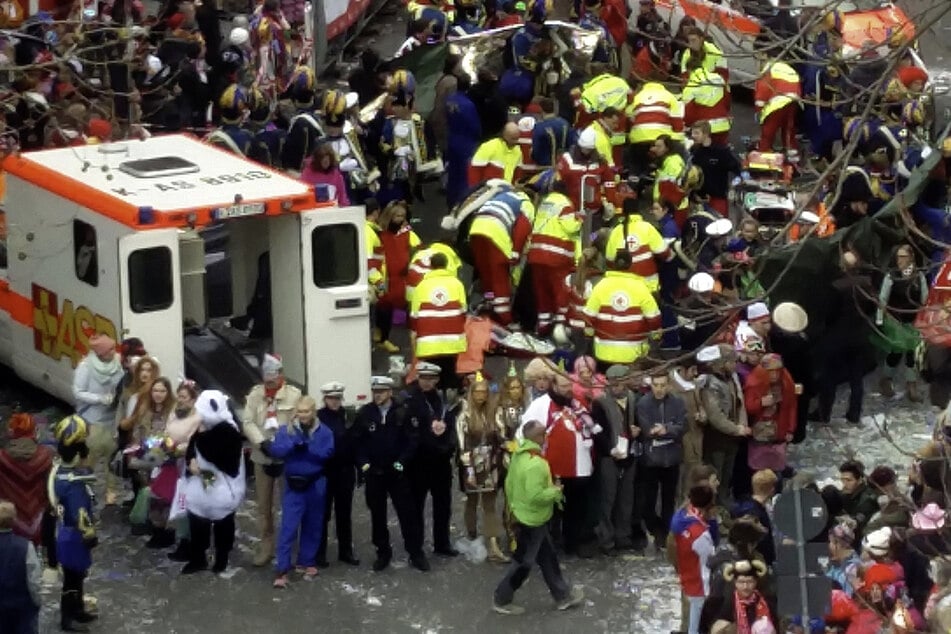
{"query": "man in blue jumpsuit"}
{"type": "Point", "coordinates": [465, 134]}
{"type": "Point", "coordinates": [305, 446]}
{"type": "Point", "coordinates": [387, 445]}
{"type": "Point", "coordinates": [70, 488]}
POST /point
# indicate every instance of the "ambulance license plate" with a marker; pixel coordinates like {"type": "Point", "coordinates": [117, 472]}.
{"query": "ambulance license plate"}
{"type": "Point", "coordinates": [239, 211]}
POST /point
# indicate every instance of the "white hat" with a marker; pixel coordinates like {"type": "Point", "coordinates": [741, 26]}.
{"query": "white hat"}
{"type": "Point", "coordinates": [709, 354]}
{"type": "Point", "coordinates": [790, 317]}
{"type": "Point", "coordinates": [526, 124]}
{"type": "Point", "coordinates": [877, 542]}
{"type": "Point", "coordinates": [425, 368]}
{"type": "Point", "coordinates": [381, 383]}
{"type": "Point", "coordinates": [586, 139]}
{"type": "Point", "coordinates": [808, 216]}
{"type": "Point", "coordinates": [271, 366]}
{"type": "Point", "coordinates": [719, 228]}
{"type": "Point", "coordinates": [153, 65]}
{"type": "Point", "coordinates": [757, 311]}
{"type": "Point", "coordinates": [239, 36]}
{"type": "Point", "coordinates": [701, 282]}
{"type": "Point", "coordinates": [353, 100]}
{"type": "Point", "coordinates": [212, 406]}
{"type": "Point", "coordinates": [334, 388]}
{"type": "Point", "coordinates": [139, 31]}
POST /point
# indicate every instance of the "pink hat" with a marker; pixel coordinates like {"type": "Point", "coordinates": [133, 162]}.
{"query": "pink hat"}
{"type": "Point", "coordinates": [757, 312]}
{"type": "Point", "coordinates": [102, 344]}
{"type": "Point", "coordinates": [930, 518]}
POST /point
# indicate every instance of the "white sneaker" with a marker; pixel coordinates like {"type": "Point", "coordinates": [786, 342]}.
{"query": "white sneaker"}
{"type": "Point", "coordinates": [574, 599]}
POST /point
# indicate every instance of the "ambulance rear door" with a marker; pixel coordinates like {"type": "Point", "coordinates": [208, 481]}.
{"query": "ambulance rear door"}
{"type": "Point", "coordinates": [150, 289]}
{"type": "Point", "coordinates": [336, 307]}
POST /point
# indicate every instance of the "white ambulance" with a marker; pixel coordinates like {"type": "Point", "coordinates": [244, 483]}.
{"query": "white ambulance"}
{"type": "Point", "coordinates": [107, 238]}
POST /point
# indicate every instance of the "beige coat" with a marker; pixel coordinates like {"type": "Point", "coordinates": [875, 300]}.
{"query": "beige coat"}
{"type": "Point", "coordinates": [693, 436]}
{"type": "Point", "coordinates": [726, 412]}
{"type": "Point", "coordinates": [255, 413]}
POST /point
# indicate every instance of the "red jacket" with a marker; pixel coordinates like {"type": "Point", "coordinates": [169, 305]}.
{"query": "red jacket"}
{"type": "Point", "coordinates": [757, 386]}
{"type": "Point", "coordinates": [397, 252]}
{"type": "Point", "coordinates": [645, 68]}
{"type": "Point", "coordinates": [23, 482]}
{"type": "Point", "coordinates": [573, 172]}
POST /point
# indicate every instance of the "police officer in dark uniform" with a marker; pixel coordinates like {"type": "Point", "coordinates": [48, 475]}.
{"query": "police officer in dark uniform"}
{"type": "Point", "coordinates": [341, 472]}
{"type": "Point", "coordinates": [386, 445]}
{"type": "Point", "coordinates": [430, 472]}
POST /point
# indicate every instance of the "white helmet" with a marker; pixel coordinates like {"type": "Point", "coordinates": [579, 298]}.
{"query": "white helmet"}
{"type": "Point", "coordinates": [239, 36]}
{"type": "Point", "coordinates": [586, 139]}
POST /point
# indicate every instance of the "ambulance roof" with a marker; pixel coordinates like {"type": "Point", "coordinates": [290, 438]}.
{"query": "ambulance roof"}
{"type": "Point", "coordinates": [172, 173]}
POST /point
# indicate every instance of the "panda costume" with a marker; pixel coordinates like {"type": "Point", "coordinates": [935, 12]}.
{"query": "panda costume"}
{"type": "Point", "coordinates": [215, 483]}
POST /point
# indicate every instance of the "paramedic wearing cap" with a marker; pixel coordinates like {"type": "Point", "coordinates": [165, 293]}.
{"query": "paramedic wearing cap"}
{"type": "Point", "coordinates": [500, 157]}
{"type": "Point", "coordinates": [94, 390]}
{"type": "Point", "coordinates": [430, 472]}
{"type": "Point", "coordinates": [341, 470]}
{"type": "Point", "coordinates": [437, 318]}
{"type": "Point", "coordinates": [586, 174]}
{"type": "Point", "coordinates": [620, 314]}
{"type": "Point", "coordinates": [497, 236]}
{"type": "Point", "coordinates": [387, 444]}
{"type": "Point", "coordinates": [269, 405]}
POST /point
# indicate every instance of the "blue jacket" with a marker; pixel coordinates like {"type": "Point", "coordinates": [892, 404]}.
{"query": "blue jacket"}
{"type": "Point", "coordinates": [75, 533]}
{"type": "Point", "coordinates": [304, 454]}
{"type": "Point", "coordinates": [465, 127]}
{"type": "Point", "coordinates": [550, 139]}
{"type": "Point", "coordinates": [15, 591]}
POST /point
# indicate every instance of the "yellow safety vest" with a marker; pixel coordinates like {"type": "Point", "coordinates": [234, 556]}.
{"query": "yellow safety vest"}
{"type": "Point", "coordinates": [620, 313]}
{"type": "Point", "coordinates": [712, 60]}
{"type": "Point", "coordinates": [438, 315]}
{"type": "Point", "coordinates": [376, 260]}
{"type": "Point", "coordinates": [782, 72]}
{"type": "Point", "coordinates": [495, 220]}
{"type": "Point", "coordinates": [707, 89]}
{"type": "Point", "coordinates": [653, 113]}
{"type": "Point", "coordinates": [603, 142]}
{"type": "Point", "coordinates": [556, 235]}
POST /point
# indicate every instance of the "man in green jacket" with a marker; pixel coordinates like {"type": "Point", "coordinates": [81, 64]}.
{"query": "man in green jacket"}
{"type": "Point", "coordinates": [532, 496]}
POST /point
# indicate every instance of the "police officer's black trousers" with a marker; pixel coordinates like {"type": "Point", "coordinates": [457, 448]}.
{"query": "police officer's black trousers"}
{"type": "Point", "coordinates": [396, 486]}
{"type": "Point", "coordinates": [433, 476]}
{"type": "Point", "coordinates": [340, 484]}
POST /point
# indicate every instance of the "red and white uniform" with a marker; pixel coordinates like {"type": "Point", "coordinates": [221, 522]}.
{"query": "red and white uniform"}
{"type": "Point", "coordinates": [694, 547]}
{"type": "Point", "coordinates": [526, 126]}
{"type": "Point", "coordinates": [589, 176]}
{"type": "Point", "coordinates": [568, 443]}
{"type": "Point", "coordinates": [554, 245]}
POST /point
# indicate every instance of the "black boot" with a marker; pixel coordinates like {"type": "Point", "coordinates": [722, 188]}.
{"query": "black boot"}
{"type": "Point", "coordinates": [195, 565]}
{"type": "Point", "coordinates": [69, 614]}
{"type": "Point", "coordinates": [181, 552]}
{"type": "Point", "coordinates": [161, 538]}
{"type": "Point", "coordinates": [221, 561]}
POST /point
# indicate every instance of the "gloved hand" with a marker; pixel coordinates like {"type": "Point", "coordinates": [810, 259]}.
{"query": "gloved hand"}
{"type": "Point", "coordinates": [349, 164]}
{"type": "Point", "coordinates": [106, 399]}
{"type": "Point", "coordinates": [398, 466]}
{"type": "Point", "coordinates": [403, 151]}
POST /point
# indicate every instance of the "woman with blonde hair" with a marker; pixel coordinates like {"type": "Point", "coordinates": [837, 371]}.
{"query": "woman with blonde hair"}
{"type": "Point", "coordinates": [480, 450]}
{"type": "Point", "coordinates": [508, 418]}
{"type": "Point", "coordinates": [399, 242]}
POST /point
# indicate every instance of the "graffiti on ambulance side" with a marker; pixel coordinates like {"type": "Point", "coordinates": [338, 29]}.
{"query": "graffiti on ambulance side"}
{"type": "Point", "coordinates": [64, 331]}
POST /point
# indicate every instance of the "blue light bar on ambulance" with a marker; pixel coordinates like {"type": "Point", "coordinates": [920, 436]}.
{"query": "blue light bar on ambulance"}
{"type": "Point", "coordinates": [238, 210]}
{"type": "Point", "coordinates": [146, 215]}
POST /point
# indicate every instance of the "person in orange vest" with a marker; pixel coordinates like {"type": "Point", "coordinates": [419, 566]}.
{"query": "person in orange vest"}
{"type": "Point", "coordinates": [706, 97]}
{"type": "Point", "coordinates": [552, 252]}
{"type": "Point", "coordinates": [589, 180]}
{"type": "Point", "coordinates": [497, 237]}
{"type": "Point", "coordinates": [805, 225]}
{"type": "Point", "coordinates": [500, 157]}
{"type": "Point", "coordinates": [777, 95]}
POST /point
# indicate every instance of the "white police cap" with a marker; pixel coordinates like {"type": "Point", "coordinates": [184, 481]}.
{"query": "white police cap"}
{"type": "Point", "coordinates": [425, 368]}
{"type": "Point", "coordinates": [381, 383]}
{"type": "Point", "coordinates": [334, 388]}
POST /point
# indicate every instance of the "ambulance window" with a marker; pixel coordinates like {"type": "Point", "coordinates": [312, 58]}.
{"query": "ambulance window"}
{"type": "Point", "coordinates": [335, 252]}
{"type": "Point", "coordinates": [150, 279]}
{"type": "Point", "coordinates": [85, 252]}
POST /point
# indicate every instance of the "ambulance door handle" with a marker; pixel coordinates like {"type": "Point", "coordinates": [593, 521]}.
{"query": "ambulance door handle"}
{"type": "Point", "coordinates": [353, 302]}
